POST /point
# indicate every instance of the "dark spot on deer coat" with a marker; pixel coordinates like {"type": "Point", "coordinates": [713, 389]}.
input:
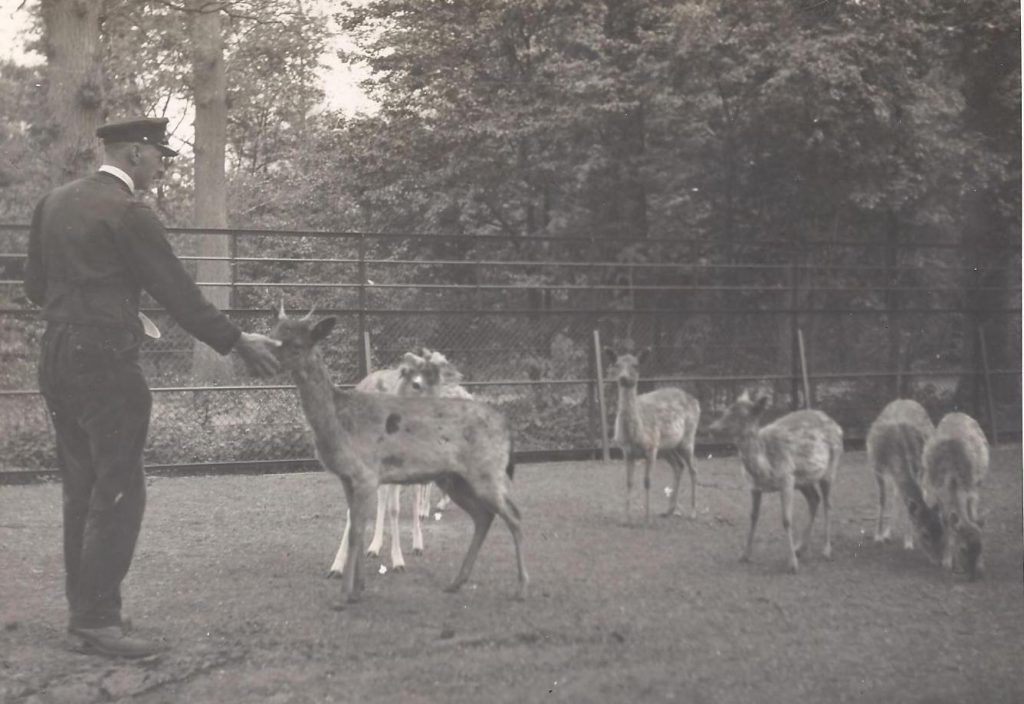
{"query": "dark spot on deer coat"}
{"type": "Point", "coordinates": [392, 424]}
{"type": "Point", "coordinates": [393, 461]}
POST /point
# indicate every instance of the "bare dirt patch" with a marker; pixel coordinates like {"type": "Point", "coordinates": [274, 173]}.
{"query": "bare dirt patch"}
{"type": "Point", "coordinates": [230, 571]}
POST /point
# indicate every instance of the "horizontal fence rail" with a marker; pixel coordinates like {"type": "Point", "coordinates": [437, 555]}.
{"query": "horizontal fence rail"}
{"type": "Point", "coordinates": [519, 317]}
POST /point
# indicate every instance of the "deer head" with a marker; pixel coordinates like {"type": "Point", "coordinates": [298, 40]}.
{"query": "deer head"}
{"type": "Point", "coordinates": [298, 336]}
{"type": "Point", "coordinates": [741, 416]}
{"type": "Point", "coordinates": [625, 368]}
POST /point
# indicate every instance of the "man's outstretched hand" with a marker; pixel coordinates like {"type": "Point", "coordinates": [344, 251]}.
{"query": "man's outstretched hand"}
{"type": "Point", "coordinates": [257, 351]}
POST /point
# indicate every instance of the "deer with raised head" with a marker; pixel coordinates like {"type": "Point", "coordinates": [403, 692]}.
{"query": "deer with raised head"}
{"type": "Point", "coordinates": [895, 443]}
{"type": "Point", "coordinates": [799, 451]}
{"type": "Point", "coordinates": [956, 462]}
{"type": "Point", "coordinates": [661, 423]}
{"type": "Point", "coordinates": [428, 375]}
{"type": "Point", "coordinates": [373, 439]}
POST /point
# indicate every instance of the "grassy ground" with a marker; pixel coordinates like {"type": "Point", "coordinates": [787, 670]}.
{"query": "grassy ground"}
{"type": "Point", "coordinates": [230, 571]}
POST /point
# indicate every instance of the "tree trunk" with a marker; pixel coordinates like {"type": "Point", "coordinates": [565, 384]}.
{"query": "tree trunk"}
{"type": "Point", "coordinates": [71, 36]}
{"type": "Point", "coordinates": [210, 91]}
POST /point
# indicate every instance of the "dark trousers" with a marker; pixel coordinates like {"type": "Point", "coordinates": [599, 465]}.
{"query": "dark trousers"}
{"type": "Point", "coordinates": [100, 405]}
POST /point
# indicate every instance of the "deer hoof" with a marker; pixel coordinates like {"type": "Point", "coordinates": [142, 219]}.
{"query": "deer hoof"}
{"type": "Point", "coordinates": [800, 550]}
{"type": "Point", "coordinates": [338, 605]}
{"type": "Point", "coordinates": [334, 574]}
{"type": "Point", "coordinates": [453, 587]}
{"type": "Point", "coordinates": [794, 567]}
{"type": "Point", "coordinates": [398, 568]}
{"type": "Point", "coordinates": [826, 552]}
{"type": "Point", "coordinates": [745, 557]}
{"type": "Point", "coordinates": [417, 551]}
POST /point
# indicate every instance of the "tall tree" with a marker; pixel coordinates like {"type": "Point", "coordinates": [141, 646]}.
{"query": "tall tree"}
{"type": "Point", "coordinates": [71, 41]}
{"type": "Point", "coordinates": [209, 89]}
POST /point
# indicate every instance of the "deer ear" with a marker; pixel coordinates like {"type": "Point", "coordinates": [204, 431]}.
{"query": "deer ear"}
{"type": "Point", "coordinates": [610, 355]}
{"type": "Point", "coordinates": [449, 374]}
{"type": "Point", "coordinates": [760, 405]}
{"type": "Point", "coordinates": [409, 362]}
{"type": "Point", "coordinates": [643, 354]}
{"type": "Point", "coordinates": [323, 328]}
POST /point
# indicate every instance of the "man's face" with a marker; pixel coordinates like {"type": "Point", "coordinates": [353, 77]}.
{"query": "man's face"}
{"type": "Point", "coordinates": [149, 166]}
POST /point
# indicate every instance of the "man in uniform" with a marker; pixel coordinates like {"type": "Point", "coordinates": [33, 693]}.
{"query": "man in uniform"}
{"type": "Point", "coordinates": [92, 249]}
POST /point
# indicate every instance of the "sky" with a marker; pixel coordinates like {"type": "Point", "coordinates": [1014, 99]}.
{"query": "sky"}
{"type": "Point", "coordinates": [340, 81]}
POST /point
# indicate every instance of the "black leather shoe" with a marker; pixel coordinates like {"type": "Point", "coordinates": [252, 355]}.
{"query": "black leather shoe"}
{"type": "Point", "coordinates": [112, 641]}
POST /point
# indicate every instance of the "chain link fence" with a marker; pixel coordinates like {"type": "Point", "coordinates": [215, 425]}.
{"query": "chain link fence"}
{"type": "Point", "coordinates": [843, 326]}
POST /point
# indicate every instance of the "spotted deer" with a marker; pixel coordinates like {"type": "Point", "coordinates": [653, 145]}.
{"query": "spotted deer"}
{"type": "Point", "coordinates": [662, 422]}
{"type": "Point", "coordinates": [428, 374]}
{"type": "Point", "coordinates": [799, 451]}
{"type": "Point", "coordinates": [956, 461]}
{"type": "Point", "coordinates": [371, 439]}
{"type": "Point", "coordinates": [895, 444]}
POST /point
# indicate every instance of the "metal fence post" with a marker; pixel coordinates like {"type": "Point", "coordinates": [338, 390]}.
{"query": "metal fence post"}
{"type": "Point", "coordinates": [803, 368]}
{"type": "Point", "coordinates": [794, 324]}
{"type": "Point", "coordinates": [600, 396]}
{"type": "Point", "coordinates": [232, 297]}
{"type": "Point", "coordinates": [993, 427]}
{"type": "Point", "coordinates": [367, 354]}
{"type": "Point", "coordinates": [364, 358]}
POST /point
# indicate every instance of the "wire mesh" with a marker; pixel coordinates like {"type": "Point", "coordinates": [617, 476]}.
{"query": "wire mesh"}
{"type": "Point", "coordinates": [518, 319]}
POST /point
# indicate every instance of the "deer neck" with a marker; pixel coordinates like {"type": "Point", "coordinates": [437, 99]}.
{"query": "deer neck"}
{"type": "Point", "coordinates": [752, 450]}
{"type": "Point", "coordinates": [630, 425]}
{"type": "Point", "coordinates": [316, 393]}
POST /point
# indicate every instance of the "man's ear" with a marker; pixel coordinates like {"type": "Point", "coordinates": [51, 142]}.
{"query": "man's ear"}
{"type": "Point", "coordinates": [323, 328]}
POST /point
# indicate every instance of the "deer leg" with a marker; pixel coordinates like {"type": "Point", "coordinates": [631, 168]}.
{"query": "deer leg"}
{"type": "Point", "coordinates": [482, 517]}
{"type": "Point", "coordinates": [787, 522]}
{"type": "Point", "coordinates": [810, 492]}
{"type": "Point", "coordinates": [417, 516]}
{"type": "Point", "coordinates": [691, 466]}
{"type": "Point", "coordinates": [362, 504]}
{"type": "Point", "coordinates": [907, 525]}
{"type": "Point", "coordinates": [672, 457]}
{"type": "Point", "coordinates": [648, 465]}
{"type": "Point", "coordinates": [338, 566]}
{"type": "Point", "coordinates": [378, 527]}
{"type": "Point", "coordinates": [881, 527]}
{"type": "Point", "coordinates": [394, 507]}
{"type": "Point", "coordinates": [826, 499]}
{"type": "Point", "coordinates": [630, 467]}
{"type": "Point", "coordinates": [755, 512]}
{"type": "Point", "coordinates": [422, 503]}
{"type": "Point", "coordinates": [510, 514]}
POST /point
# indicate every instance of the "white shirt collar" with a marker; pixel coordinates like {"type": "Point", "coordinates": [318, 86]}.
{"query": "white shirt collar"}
{"type": "Point", "coordinates": [118, 173]}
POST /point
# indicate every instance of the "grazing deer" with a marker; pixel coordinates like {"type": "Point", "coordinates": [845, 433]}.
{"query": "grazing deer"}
{"type": "Point", "coordinates": [373, 439]}
{"type": "Point", "coordinates": [800, 450]}
{"type": "Point", "coordinates": [956, 462]}
{"type": "Point", "coordinates": [895, 442]}
{"type": "Point", "coordinates": [662, 421]}
{"type": "Point", "coordinates": [428, 375]}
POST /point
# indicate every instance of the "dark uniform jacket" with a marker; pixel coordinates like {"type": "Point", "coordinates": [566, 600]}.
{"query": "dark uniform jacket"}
{"type": "Point", "coordinates": [93, 248]}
